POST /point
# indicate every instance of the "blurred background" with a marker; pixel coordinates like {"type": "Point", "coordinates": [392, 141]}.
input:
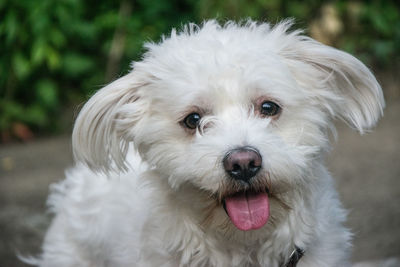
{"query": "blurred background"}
{"type": "Point", "coordinates": [55, 53]}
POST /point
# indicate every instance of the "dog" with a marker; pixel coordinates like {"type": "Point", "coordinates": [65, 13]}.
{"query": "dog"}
{"type": "Point", "coordinates": [211, 152]}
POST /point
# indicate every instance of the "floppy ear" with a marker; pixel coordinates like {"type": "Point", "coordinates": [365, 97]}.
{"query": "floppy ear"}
{"type": "Point", "coordinates": [103, 128]}
{"type": "Point", "coordinates": [348, 87]}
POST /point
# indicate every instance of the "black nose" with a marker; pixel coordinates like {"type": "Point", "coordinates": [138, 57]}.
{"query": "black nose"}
{"type": "Point", "coordinates": [242, 163]}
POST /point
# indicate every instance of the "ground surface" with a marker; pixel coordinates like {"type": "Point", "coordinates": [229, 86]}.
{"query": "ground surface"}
{"type": "Point", "coordinates": [367, 170]}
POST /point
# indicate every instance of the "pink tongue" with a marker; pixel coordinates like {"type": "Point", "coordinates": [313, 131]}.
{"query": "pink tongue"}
{"type": "Point", "coordinates": [248, 210]}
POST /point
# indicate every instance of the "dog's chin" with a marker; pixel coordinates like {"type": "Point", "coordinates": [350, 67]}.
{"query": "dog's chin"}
{"type": "Point", "coordinates": [248, 206]}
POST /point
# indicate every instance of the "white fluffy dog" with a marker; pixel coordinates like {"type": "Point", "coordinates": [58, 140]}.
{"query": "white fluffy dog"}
{"type": "Point", "coordinates": [210, 152]}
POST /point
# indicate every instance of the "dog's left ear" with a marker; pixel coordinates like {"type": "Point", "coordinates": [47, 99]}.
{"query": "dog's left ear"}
{"type": "Point", "coordinates": [103, 128]}
{"type": "Point", "coordinates": [345, 86]}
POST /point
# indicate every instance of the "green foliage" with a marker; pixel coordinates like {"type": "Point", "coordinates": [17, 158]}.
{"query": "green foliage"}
{"type": "Point", "coordinates": [374, 34]}
{"type": "Point", "coordinates": [54, 53]}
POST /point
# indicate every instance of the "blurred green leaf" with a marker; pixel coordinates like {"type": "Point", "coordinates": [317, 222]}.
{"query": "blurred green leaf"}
{"type": "Point", "coordinates": [57, 38]}
{"type": "Point", "coordinates": [383, 49]}
{"type": "Point", "coordinates": [21, 66]}
{"type": "Point", "coordinates": [2, 3]}
{"type": "Point", "coordinates": [53, 58]}
{"type": "Point", "coordinates": [298, 10]}
{"type": "Point", "coordinates": [11, 111]}
{"type": "Point", "coordinates": [41, 24]}
{"type": "Point", "coordinates": [47, 94]}
{"type": "Point", "coordinates": [38, 53]}
{"type": "Point", "coordinates": [379, 22]}
{"type": "Point", "coordinates": [35, 115]}
{"type": "Point", "coordinates": [11, 26]}
{"type": "Point", "coordinates": [76, 65]}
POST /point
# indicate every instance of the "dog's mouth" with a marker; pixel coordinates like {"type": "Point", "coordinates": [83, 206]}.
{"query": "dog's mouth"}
{"type": "Point", "coordinates": [248, 210]}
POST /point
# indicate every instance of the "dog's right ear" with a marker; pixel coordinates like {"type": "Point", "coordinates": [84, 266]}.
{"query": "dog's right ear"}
{"type": "Point", "coordinates": [343, 85]}
{"type": "Point", "coordinates": [103, 128]}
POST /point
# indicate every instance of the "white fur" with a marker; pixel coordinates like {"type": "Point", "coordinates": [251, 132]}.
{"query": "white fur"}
{"type": "Point", "coordinates": [159, 211]}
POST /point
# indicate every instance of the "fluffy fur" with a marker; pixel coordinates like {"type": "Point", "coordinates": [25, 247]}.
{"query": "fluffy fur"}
{"type": "Point", "coordinates": [146, 191]}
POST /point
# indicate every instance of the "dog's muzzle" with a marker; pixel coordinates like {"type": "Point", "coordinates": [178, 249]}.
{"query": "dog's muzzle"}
{"type": "Point", "coordinates": [248, 209]}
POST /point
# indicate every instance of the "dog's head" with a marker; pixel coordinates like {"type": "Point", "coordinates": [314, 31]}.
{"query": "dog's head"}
{"type": "Point", "coordinates": [242, 112]}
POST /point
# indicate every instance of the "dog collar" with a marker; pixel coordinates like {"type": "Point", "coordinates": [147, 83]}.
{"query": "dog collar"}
{"type": "Point", "coordinates": [295, 256]}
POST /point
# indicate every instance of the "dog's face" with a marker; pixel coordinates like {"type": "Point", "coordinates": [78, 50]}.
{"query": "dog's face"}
{"type": "Point", "coordinates": [240, 112]}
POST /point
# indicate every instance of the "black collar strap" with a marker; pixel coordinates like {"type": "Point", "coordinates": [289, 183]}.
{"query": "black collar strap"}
{"type": "Point", "coordinates": [294, 257]}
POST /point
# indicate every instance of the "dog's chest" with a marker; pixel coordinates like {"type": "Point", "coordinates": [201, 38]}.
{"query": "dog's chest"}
{"type": "Point", "coordinates": [184, 247]}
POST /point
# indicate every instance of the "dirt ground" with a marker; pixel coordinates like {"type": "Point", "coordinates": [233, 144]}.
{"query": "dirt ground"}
{"type": "Point", "coordinates": [367, 170]}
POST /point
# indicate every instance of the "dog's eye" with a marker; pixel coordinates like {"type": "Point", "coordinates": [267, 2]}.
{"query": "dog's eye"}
{"type": "Point", "coordinates": [269, 108]}
{"type": "Point", "coordinates": [192, 120]}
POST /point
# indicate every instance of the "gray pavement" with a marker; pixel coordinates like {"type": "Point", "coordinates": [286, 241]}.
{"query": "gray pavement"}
{"type": "Point", "coordinates": [367, 170]}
